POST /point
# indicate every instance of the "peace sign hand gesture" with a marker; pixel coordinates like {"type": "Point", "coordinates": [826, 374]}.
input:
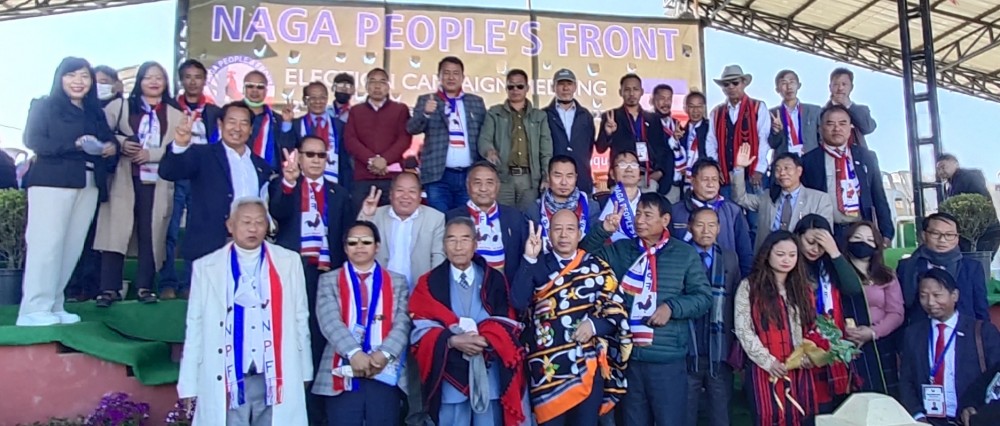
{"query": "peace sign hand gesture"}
{"type": "Point", "coordinates": [291, 169]}
{"type": "Point", "coordinates": [613, 221]}
{"type": "Point", "coordinates": [533, 245]}
{"type": "Point", "coordinates": [776, 125]}
{"type": "Point", "coordinates": [371, 202]}
{"type": "Point", "coordinates": [610, 125]}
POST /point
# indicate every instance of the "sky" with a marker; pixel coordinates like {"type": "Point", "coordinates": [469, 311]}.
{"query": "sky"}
{"type": "Point", "coordinates": [126, 36]}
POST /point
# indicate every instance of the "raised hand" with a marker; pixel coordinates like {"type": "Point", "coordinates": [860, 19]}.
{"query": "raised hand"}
{"type": "Point", "coordinates": [743, 157]}
{"type": "Point", "coordinates": [776, 125]}
{"type": "Point", "coordinates": [287, 113]}
{"type": "Point", "coordinates": [431, 106]}
{"type": "Point", "coordinates": [371, 202]}
{"type": "Point", "coordinates": [290, 169]}
{"type": "Point", "coordinates": [613, 221]}
{"type": "Point", "coordinates": [533, 245]}
{"type": "Point", "coordinates": [182, 133]}
{"type": "Point", "coordinates": [610, 125]}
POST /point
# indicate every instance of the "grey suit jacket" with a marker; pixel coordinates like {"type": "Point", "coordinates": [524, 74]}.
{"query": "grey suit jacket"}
{"type": "Point", "coordinates": [810, 201]}
{"type": "Point", "coordinates": [426, 243]}
{"type": "Point", "coordinates": [434, 151]}
{"type": "Point", "coordinates": [810, 123]}
{"type": "Point", "coordinates": [339, 339]}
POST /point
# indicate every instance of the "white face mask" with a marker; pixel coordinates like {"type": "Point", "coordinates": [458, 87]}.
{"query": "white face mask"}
{"type": "Point", "coordinates": [105, 91]}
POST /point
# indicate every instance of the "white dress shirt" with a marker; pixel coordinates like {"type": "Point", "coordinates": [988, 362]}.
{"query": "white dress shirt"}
{"type": "Point", "coordinates": [400, 248]}
{"type": "Point", "coordinates": [470, 274]}
{"type": "Point", "coordinates": [950, 395]}
{"type": "Point", "coordinates": [763, 131]}
{"type": "Point", "coordinates": [242, 172]}
{"type": "Point", "coordinates": [248, 296]}
{"type": "Point", "coordinates": [459, 158]}
{"type": "Point", "coordinates": [567, 116]}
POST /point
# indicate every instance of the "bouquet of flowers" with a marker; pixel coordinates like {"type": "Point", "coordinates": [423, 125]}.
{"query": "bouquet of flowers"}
{"type": "Point", "coordinates": [180, 415]}
{"type": "Point", "coordinates": [824, 345]}
{"type": "Point", "coordinates": [115, 409]}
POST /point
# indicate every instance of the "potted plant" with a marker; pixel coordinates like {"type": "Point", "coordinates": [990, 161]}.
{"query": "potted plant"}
{"type": "Point", "coordinates": [13, 221]}
{"type": "Point", "coordinates": [975, 214]}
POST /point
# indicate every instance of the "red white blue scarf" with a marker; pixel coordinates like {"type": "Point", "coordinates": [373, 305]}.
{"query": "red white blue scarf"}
{"type": "Point", "coordinates": [490, 245]}
{"type": "Point", "coordinates": [793, 130]}
{"type": "Point", "coordinates": [263, 136]}
{"type": "Point", "coordinates": [848, 185]}
{"type": "Point", "coordinates": [327, 131]}
{"type": "Point", "coordinates": [680, 157]}
{"type": "Point", "coordinates": [315, 245]}
{"type": "Point", "coordinates": [270, 293]}
{"type": "Point", "coordinates": [456, 134]}
{"type": "Point", "coordinates": [620, 198]}
{"type": "Point", "coordinates": [640, 282]}
{"type": "Point", "coordinates": [577, 202]}
{"type": "Point", "coordinates": [369, 316]}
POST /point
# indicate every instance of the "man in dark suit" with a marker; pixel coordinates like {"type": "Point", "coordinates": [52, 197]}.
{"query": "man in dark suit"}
{"type": "Point", "coordinates": [966, 347]}
{"type": "Point", "coordinates": [940, 250]}
{"type": "Point", "coordinates": [572, 127]}
{"type": "Point", "coordinates": [450, 120]}
{"type": "Point", "coordinates": [664, 131]}
{"type": "Point", "coordinates": [219, 174]}
{"type": "Point", "coordinates": [712, 335]}
{"type": "Point", "coordinates": [849, 174]}
{"type": "Point", "coordinates": [313, 227]}
{"type": "Point", "coordinates": [502, 252]}
{"type": "Point", "coordinates": [627, 128]}
{"type": "Point", "coordinates": [968, 181]}
{"type": "Point", "coordinates": [794, 125]}
{"type": "Point", "coordinates": [326, 123]}
{"type": "Point", "coordinates": [841, 86]}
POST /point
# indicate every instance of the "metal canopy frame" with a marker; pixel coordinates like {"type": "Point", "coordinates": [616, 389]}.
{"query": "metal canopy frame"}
{"type": "Point", "coordinates": [21, 9]}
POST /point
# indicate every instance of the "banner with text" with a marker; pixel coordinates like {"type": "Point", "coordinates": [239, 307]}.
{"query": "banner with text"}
{"type": "Point", "coordinates": [296, 42]}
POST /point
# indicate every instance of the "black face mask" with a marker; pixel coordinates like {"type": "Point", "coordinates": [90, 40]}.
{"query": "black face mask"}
{"type": "Point", "coordinates": [860, 250]}
{"type": "Point", "coordinates": [342, 98]}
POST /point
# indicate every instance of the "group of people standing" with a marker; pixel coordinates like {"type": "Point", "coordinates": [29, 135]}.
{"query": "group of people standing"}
{"type": "Point", "coordinates": [488, 285]}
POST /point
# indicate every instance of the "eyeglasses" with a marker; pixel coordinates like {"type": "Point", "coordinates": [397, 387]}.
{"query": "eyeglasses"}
{"type": "Point", "coordinates": [516, 86]}
{"type": "Point", "coordinates": [258, 86]}
{"type": "Point", "coordinates": [731, 83]}
{"type": "Point", "coordinates": [365, 241]}
{"type": "Point", "coordinates": [626, 166]}
{"type": "Point", "coordinates": [949, 237]}
{"type": "Point", "coordinates": [311, 154]}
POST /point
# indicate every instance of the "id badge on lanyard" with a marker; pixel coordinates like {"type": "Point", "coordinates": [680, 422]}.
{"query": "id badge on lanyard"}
{"type": "Point", "coordinates": [934, 401]}
{"type": "Point", "coordinates": [642, 151]}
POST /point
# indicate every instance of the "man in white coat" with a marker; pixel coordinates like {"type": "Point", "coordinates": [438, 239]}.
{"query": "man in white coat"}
{"type": "Point", "coordinates": [253, 368]}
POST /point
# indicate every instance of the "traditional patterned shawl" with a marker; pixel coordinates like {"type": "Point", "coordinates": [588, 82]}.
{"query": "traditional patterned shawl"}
{"type": "Point", "coordinates": [562, 370]}
{"type": "Point", "coordinates": [745, 132]}
{"type": "Point", "coordinates": [271, 296]}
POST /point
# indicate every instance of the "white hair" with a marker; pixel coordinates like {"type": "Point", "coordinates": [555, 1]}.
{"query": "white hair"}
{"type": "Point", "coordinates": [246, 201]}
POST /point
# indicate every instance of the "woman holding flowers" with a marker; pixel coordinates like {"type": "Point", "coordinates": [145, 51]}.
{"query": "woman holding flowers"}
{"type": "Point", "coordinates": [838, 296]}
{"type": "Point", "coordinates": [774, 310]}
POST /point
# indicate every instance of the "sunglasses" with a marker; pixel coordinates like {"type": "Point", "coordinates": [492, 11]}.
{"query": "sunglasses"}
{"type": "Point", "coordinates": [258, 86]}
{"type": "Point", "coordinates": [311, 154]}
{"type": "Point", "coordinates": [516, 86]}
{"type": "Point", "coordinates": [365, 241]}
{"type": "Point", "coordinates": [731, 83]}
{"type": "Point", "coordinates": [627, 166]}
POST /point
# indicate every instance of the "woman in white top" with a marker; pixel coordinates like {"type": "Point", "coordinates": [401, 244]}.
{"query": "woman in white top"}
{"type": "Point", "coordinates": [625, 194]}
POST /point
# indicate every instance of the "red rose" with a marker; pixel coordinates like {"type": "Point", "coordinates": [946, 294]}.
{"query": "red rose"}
{"type": "Point", "coordinates": [818, 339]}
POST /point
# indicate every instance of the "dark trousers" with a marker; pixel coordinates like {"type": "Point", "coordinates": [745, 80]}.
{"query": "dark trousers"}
{"type": "Point", "coordinates": [712, 394]}
{"type": "Point", "coordinates": [654, 397]}
{"type": "Point", "coordinates": [169, 278]}
{"type": "Point", "coordinates": [314, 403]}
{"type": "Point", "coordinates": [449, 192]}
{"type": "Point", "coordinates": [586, 412]}
{"type": "Point", "coordinates": [373, 404]}
{"type": "Point", "coordinates": [112, 263]}
{"type": "Point", "coordinates": [85, 282]}
{"type": "Point", "coordinates": [362, 188]}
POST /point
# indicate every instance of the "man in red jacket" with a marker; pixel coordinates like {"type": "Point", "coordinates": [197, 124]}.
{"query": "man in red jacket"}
{"type": "Point", "coordinates": [376, 138]}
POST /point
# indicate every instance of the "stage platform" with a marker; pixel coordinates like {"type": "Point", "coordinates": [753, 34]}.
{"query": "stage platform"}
{"type": "Point", "coordinates": [64, 370]}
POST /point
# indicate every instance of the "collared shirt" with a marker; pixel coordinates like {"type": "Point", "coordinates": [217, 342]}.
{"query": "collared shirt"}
{"type": "Point", "coordinates": [376, 106]}
{"type": "Point", "coordinates": [793, 113]}
{"type": "Point", "coordinates": [518, 138]}
{"type": "Point", "coordinates": [705, 260]}
{"type": "Point", "coordinates": [400, 248]}
{"type": "Point", "coordinates": [780, 203]}
{"type": "Point", "coordinates": [460, 157]}
{"type": "Point", "coordinates": [248, 296]}
{"type": "Point", "coordinates": [368, 282]}
{"type": "Point", "coordinates": [242, 172]}
{"type": "Point", "coordinates": [567, 116]}
{"type": "Point", "coordinates": [831, 193]}
{"type": "Point", "coordinates": [470, 274]}
{"type": "Point", "coordinates": [950, 393]}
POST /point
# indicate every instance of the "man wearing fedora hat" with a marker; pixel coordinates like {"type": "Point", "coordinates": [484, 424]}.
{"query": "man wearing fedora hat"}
{"type": "Point", "coordinates": [740, 120]}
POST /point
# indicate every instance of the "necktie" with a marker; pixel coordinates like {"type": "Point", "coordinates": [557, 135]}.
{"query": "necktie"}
{"type": "Point", "coordinates": [314, 186]}
{"type": "Point", "coordinates": [939, 354]}
{"type": "Point", "coordinates": [463, 280]}
{"type": "Point", "coordinates": [321, 131]}
{"type": "Point", "coordinates": [363, 287]}
{"type": "Point", "coordinates": [786, 212]}
{"type": "Point", "coordinates": [706, 259]}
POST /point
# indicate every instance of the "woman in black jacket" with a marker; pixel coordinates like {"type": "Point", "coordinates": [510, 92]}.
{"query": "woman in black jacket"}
{"type": "Point", "coordinates": [74, 148]}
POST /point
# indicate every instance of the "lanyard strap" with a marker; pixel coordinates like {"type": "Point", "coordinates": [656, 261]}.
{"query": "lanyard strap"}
{"type": "Point", "coordinates": [940, 357]}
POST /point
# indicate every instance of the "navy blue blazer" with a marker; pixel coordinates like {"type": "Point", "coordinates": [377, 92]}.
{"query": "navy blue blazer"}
{"type": "Point", "coordinates": [915, 364]}
{"type": "Point", "coordinates": [971, 289]}
{"type": "Point", "coordinates": [286, 210]}
{"type": "Point", "coordinates": [874, 205]}
{"type": "Point", "coordinates": [207, 168]}
{"type": "Point", "coordinates": [515, 233]}
{"type": "Point", "coordinates": [580, 144]}
{"type": "Point", "coordinates": [293, 138]}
